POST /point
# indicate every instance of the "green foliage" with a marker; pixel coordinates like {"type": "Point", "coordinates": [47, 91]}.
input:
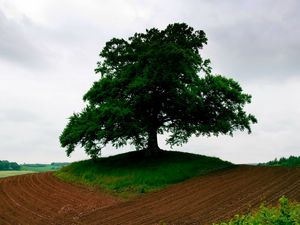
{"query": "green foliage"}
{"type": "Point", "coordinates": [6, 165]}
{"type": "Point", "coordinates": [292, 161]}
{"type": "Point", "coordinates": [35, 165]}
{"type": "Point", "coordinates": [285, 214]}
{"type": "Point", "coordinates": [131, 173]}
{"type": "Point", "coordinates": [59, 164]}
{"type": "Point", "coordinates": [156, 82]}
{"type": "Point", "coordinates": [43, 167]}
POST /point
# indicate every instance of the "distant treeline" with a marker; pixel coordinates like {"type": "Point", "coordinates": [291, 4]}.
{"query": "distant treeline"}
{"type": "Point", "coordinates": [60, 164]}
{"type": "Point", "coordinates": [35, 165]}
{"type": "Point", "coordinates": [6, 165]}
{"type": "Point", "coordinates": [38, 167]}
{"type": "Point", "coordinates": [53, 164]}
{"type": "Point", "coordinates": [292, 161]}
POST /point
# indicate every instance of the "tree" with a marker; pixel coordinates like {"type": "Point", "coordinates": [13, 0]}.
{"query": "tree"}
{"type": "Point", "coordinates": [152, 83]}
{"type": "Point", "coordinates": [6, 165]}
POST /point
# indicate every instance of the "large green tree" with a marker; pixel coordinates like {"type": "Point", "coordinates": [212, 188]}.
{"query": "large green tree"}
{"type": "Point", "coordinates": [152, 83]}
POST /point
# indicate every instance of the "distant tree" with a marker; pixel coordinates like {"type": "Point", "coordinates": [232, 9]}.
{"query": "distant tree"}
{"type": "Point", "coordinates": [6, 165]}
{"type": "Point", "coordinates": [15, 166]}
{"type": "Point", "coordinates": [292, 161]}
{"type": "Point", "coordinates": [152, 83]}
{"type": "Point", "coordinates": [59, 164]}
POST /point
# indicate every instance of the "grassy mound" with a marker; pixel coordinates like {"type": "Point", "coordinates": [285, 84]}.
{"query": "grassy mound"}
{"type": "Point", "coordinates": [132, 173]}
{"type": "Point", "coordinates": [286, 213]}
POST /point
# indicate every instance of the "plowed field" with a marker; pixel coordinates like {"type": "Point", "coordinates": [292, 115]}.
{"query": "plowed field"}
{"type": "Point", "coordinates": [43, 199]}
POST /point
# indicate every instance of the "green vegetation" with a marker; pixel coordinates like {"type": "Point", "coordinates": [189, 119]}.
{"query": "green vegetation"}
{"type": "Point", "coordinates": [285, 214]}
{"type": "Point", "coordinates": [292, 161]}
{"type": "Point", "coordinates": [12, 169]}
{"type": "Point", "coordinates": [130, 174]}
{"type": "Point", "coordinates": [153, 83]}
{"type": "Point", "coordinates": [6, 165]}
{"type": "Point", "coordinates": [37, 167]}
{"type": "Point", "coordinates": [13, 173]}
{"type": "Point", "coordinates": [43, 167]}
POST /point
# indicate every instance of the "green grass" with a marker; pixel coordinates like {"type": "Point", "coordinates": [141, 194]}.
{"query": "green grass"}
{"type": "Point", "coordinates": [132, 173]}
{"type": "Point", "coordinates": [292, 161]}
{"type": "Point", "coordinates": [13, 173]}
{"type": "Point", "coordinates": [285, 214]}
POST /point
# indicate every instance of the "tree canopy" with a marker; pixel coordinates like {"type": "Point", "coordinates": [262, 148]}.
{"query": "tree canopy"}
{"type": "Point", "coordinates": [6, 165]}
{"type": "Point", "coordinates": [153, 83]}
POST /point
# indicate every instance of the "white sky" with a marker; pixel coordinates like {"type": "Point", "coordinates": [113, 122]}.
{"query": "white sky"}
{"type": "Point", "coordinates": [49, 49]}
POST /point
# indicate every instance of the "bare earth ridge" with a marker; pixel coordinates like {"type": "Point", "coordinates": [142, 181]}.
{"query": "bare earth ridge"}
{"type": "Point", "coordinates": [41, 198]}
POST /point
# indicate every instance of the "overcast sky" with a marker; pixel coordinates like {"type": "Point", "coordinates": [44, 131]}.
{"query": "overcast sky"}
{"type": "Point", "coordinates": [49, 49]}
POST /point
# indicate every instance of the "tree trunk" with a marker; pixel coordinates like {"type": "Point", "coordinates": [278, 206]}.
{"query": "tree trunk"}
{"type": "Point", "coordinates": [152, 147]}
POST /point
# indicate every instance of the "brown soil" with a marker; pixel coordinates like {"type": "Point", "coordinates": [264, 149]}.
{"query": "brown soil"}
{"type": "Point", "coordinates": [43, 199]}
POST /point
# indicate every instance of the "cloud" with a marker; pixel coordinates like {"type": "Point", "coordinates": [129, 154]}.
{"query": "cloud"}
{"type": "Point", "coordinates": [16, 116]}
{"type": "Point", "coordinates": [20, 43]}
{"type": "Point", "coordinates": [48, 50]}
{"type": "Point", "coordinates": [251, 40]}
